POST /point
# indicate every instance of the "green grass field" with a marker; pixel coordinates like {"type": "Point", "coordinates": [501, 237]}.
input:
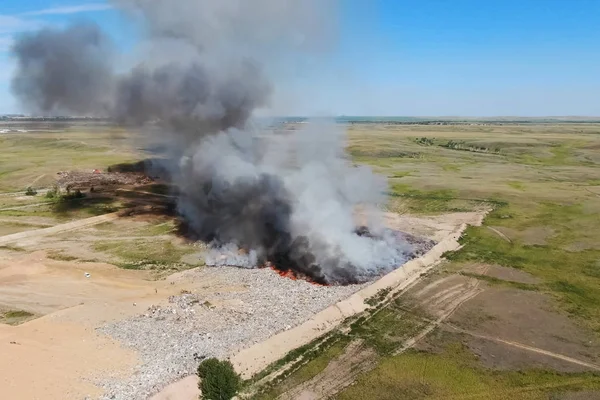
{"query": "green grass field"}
{"type": "Point", "coordinates": [542, 183]}
{"type": "Point", "coordinates": [542, 179]}
{"type": "Point", "coordinates": [34, 158]}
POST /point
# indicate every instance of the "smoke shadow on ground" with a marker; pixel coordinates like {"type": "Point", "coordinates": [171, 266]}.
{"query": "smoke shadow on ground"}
{"type": "Point", "coordinates": [78, 201]}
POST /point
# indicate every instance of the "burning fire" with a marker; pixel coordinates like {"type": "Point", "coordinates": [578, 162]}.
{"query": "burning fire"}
{"type": "Point", "coordinates": [293, 275]}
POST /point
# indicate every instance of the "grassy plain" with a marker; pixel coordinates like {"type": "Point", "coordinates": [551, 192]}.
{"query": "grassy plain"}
{"type": "Point", "coordinates": [542, 183]}
{"type": "Point", "coordinates": [34, 158]}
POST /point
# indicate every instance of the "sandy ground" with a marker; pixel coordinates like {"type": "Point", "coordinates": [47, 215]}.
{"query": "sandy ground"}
{"type": "Point", "coordinates": [62, 348]}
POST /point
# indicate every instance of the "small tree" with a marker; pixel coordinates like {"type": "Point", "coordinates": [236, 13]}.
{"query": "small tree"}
{"type": "Point", "coordinates": [52, 193]}
{"type": "Point", "coordinates": [218, 380]}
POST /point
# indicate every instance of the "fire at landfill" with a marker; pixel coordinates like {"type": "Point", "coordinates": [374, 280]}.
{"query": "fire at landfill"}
{"type": "Point", "coordinates": [200, 77]}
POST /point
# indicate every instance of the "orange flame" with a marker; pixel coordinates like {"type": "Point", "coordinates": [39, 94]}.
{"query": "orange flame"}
{"type": "Point", "coordinates": [293, 275]}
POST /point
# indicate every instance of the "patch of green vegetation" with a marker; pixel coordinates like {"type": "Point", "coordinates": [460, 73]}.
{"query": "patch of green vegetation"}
{"type": "Point", "coordinates": [77, 204]}
{"type": "Point", "coordinates": [569, 276]}
{"type": "Point", "coordinates": [43, 210]}
{"type": "Point", "coordinates": [405, 198]}
{"type": "Point", "coordinates": [158, 188]}
{"type": "Point", "coordinates": [560, 154]}
{"type": "Point", "coordinates": [304, 373]}
{"type": "Point", "coordinates": [424, 141]}
{"type": "Point", "coordinates": [516, 185]}
{"type": "Point", "coordinates": [143, 254]}
{"type": "Point", "coordinates": [59, 256]}
{"type": "Point", "coordinates": [383, 153]}
{"type": "Point", "coordinates": [399, 189]}
{"type": "Point", "coordinates": [400, 174]}
{"type": "Point", "coordinates": [463, 146]}
{"type": "Point", "coordinates": [218, 380]}
{"type": "Point", "coordinates": [454, 374]}
{"type": "Point", "coordinates": [17, 314]}
{"type": "Point", "coordinates": [378, 297]}
{"type": "Point", "coordinates": [163, 228]}
{"type": "Point", "coordinates": [451, 168]}
{"type": "Point", "coordinates": [52, 193]}
{"type": "Point", "coordinates": [37, 157]}
{"type": "Point", "coordinates": [299, 355]}
{"type": "Point", "coordinates": [15, 317]}
{"type": "Point", "coordinates": [387, 327]}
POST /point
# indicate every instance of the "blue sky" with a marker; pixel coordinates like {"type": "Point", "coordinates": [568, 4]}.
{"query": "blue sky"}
{"type": "Point", "coordinates": [408, 57]}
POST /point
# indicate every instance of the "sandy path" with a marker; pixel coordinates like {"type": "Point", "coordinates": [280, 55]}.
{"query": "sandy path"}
{"type": "Point", "coordinates": [69, 226]}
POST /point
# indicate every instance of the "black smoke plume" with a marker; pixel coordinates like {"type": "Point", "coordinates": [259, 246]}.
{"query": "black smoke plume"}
{"type": "Point", "coordinates": [257, 196]}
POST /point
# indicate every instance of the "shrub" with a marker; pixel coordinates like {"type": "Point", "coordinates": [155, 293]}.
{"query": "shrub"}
{"type": "Point", "coordinates": [30, 191]}
{"type": "Point", "coordinates": [52, 193]}
{"type": "Point", "coordinates": [218, 380]}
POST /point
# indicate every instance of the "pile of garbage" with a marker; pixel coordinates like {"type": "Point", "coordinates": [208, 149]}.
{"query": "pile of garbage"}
{"type": "Point", "coordinates": [98, 178]}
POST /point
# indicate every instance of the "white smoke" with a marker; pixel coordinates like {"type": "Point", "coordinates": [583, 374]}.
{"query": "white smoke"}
{"type": "Point", "coordinates": [256, 195]}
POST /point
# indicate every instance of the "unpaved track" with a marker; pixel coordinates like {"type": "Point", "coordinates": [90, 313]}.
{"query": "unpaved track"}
{"type": "Point", "coordinates": [15, 208]}
{"type": "Point", "coordinates": [502, 235]}
{"type": "Point", "coordinates": [446, 306]}
{"type": "Point", "coordinates": [69, 226]}
{"type": "Point", "coordinates": [526, 347]}
{"type": "Point", "coordinates": [340, 373]}
{"type": "Point", "coordinates": [343, 371]}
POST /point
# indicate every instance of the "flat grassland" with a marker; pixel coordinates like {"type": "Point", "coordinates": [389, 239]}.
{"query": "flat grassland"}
{"type": "Point", "coordinates": [515, 313]}
{"type": "Point", "coordinates": [31, 160]}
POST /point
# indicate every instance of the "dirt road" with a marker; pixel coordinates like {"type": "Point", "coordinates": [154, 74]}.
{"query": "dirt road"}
{"type": "Point", "coordinates": [69, 226]}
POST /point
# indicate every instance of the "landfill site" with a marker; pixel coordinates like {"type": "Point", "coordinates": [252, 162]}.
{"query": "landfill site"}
{"type": "Point", "coordinates": [114, 333]}
{"type": "Point", "coordinates": [185, 215]}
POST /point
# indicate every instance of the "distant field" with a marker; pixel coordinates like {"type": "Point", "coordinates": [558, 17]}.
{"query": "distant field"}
{"type": "Point", "coordinates": [542, 182]}
{"type": "Point", "coordinates": [34, 158]}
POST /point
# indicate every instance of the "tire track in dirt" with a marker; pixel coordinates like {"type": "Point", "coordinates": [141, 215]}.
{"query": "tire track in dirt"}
{"type": "Point", "coordinates": [357, 358]}
{"type": "Point", "coordinates": [339, 374]}
{"type": "Point", "coordinates": [525, 347]}
{"type": "Point", "coordinates": [497, 232]}
{"type": "Point", "coordinates": [443, 307]}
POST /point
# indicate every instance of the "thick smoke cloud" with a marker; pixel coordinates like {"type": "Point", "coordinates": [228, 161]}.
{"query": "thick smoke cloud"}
{"type": "Point", "coordinates": [64, 70]}
{"type": "Point", "coordinates": [258, 196]}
